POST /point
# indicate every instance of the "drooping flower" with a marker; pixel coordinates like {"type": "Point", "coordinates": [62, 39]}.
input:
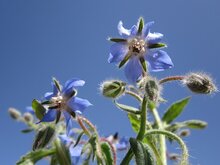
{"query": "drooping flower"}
{"type": "Point", "coordinates": [138, 50]}
{"type": "Point", "coordinates": [63, 100]}
{"type": "Point", "coordinates": [119, 143]}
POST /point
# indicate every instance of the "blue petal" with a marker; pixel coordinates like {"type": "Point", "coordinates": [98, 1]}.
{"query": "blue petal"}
{"type": "Point", "coordinates": [55, 90]}
{"type": "Point", "coordinates": [71, 84]}
{"type": "Point", "coordinates": [159, 61]}
{"type": "Point", "coordinates": [122, 30]}
{"type": "Point", "coordinates": [30, 110]}
{"type": "Point", "coordinates": [133, 70]}
{"type": "Point", "coordinates": [133, 30]}
{"type": "Point", "coordinates": [123, 144]}
{"type": "Point", "coordinates": [117, 52]}
{"type": "Point", "coordinates": [49, 116]}
{"type": "Point", "coordinates": [146, 29]}
{"type": "Point", "coordinates": [69, 122]}
{"type": "Point", "coordinates": [65, 139]}
{"type": "Point", "coordinates": [48, 95]}
{"type": "Point", "coordinates": [75, 153]}
{"type": "Point", "coordinates": [78, 104]}
{"type": "Point", "coordinates": [154, 38]}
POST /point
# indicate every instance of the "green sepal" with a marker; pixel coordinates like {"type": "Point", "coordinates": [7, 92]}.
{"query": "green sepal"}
{"type": "Point", "coordinates": [32, 157]}
{"type": "Point", "coordinates": [193, 124]}
{"type": "Point", "coordinates": [27, 130]}
{"type": "Point", "coordinates": [143, 64]}
{"type": "Point", "coordinates": [107, 152]}
{"type": "Point", "coordinates": [53, 160]}
{"type": "Point", "coordinates": [62, 153]}
{"type": "Point", "coordinates": [57, 84]}
{"type": "Point", "coordinates": [126, 58]}
{"type": "Point", "coordinates": [127, 108]}
{"type": "Point", "coordinates": [158, 45]}
{"type": "Point", "coordinates": [142, 156]}
{"type": "Point", "coordinates": [175, 110]}
{"type": "Point", "coordinates": [38, 109]}
{"type": "Point", "coordinates": [58, 116]}
{"type": "Point", "coordinates": [43, 137]}
{"type": "Point", "coordinates": [117, 40]}
{"type": "Point", "coordinates": [78, 138]}
{"type": "Point", "coordinates": [140, 25]}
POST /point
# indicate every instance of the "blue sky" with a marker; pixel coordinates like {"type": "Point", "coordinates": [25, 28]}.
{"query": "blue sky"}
{"type": "Point", "coordinates": [65, 39]}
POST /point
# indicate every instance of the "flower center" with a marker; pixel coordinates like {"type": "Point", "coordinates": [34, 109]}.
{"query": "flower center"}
{"type": "Point", "coordinates": [58, 101]}
{"type": "Point", "coordinates": [137, 46]}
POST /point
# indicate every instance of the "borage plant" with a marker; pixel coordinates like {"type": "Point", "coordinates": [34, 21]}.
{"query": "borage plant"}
{"type": "Point", "coordinates": [63, 142]}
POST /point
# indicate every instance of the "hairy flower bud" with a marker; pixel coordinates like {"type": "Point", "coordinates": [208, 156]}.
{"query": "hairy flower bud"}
{"type": "Point", "coordinates": [28, 117]}
{"type": "Point", "coordinates": [151, 88]}
{"type": "Point", "coordinates": [112, 88]}
{"type": "Point", "coordinates": [199, 83]}
{"type": "Point", "coordinates": [14, 113]}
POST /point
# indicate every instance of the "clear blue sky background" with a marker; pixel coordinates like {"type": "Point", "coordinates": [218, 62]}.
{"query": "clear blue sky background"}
{"type": "Point", "coordinates": [45, 38]}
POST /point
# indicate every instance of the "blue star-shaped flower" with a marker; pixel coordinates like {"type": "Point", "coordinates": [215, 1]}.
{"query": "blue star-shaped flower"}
{"type": "Point", "coordinates": [64, 100]}
{"type": "Point", "coordinates": [139, 49]}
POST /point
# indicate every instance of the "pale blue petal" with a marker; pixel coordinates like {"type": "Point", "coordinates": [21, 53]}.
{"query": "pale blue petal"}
{"type": "Point", "coordinates": [75, 153]}
{"type": "Point", "coordinates": [65, 139]}
{"type": "Point", "coordinates": [133, 70]}
{"type": "Point", "coordinates": [146, 29]}
{"type": "Point", "coordinates": [133, 30]}
{"type": "Point", "coordinates": [49, 116]}
{"type": "Point", "coordinates": [69, 122]}
{"type": "Point", "coordinates": [122, 144]}
{"type": "Point", "coordinates": [154, 38]}
{"type": "Point", "coordinates": [117, 52]}
{"type": "Point", "coordinates": [122, 31]}
{"type": "Point", "coordinates": [78, 104]}
{"type": "Point", "coordinates": [48, 95]}
{"type": "Point", "coordinates": [70, 85]}
{"type": "Point", "coordinates": [159, 61]}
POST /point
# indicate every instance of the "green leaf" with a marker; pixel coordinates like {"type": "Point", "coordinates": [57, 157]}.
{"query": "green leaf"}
{"type": "Point", "coordinates": [27, 130]}
{"type": "Point", "coordinates": [135, 122]}
{"type": "Point", "coordinates": [158, 45]}
{"type": "Point", "coordinates": [117, 39]}
{"type": "Point", "coordinates": [106, 150]}
{"type": "Point", "coordinates": [43, 137]}
{"type": "Point", "coordinates": [142, 156]}
{"type": "Point", "coordinates": [126, 58]}
{"type": "Point", "coordinates": [141, 25]}
{"type": "Point", "coordinates": [143, 64]}
{"type": "Point", "coordinates": [38, 109]}
{"type": "Point", "coordinates": [127, 108]}
{"type": "Point", "coordinates": [62, 153]}
{"type": "Point", "coordinates": [32, 157]}
{"type": "Point", "coordinates": [175, 110]}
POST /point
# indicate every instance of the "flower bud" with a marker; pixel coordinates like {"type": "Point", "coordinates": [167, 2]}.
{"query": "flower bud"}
{"type": "Point", "coordinates": [28, 117]}
{"type": "Point", "coordinates": [113, 88]}
{"type": "Point", "coordinates": [14, 113]}
{"type": "Point", "coordinates": [199, 83]}
{"type": "Point", "coordinates": [151, 88]}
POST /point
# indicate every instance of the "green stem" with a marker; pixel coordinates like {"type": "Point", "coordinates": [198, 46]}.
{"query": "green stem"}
{"type": "Point", "coordinates": [185, 154]}
{"type": "Point", "coordinates": [135, 95]}
{"type": "Point", "coordinates": [171, 78]}
{"type": "Point", "coordinates": [141, 132]}
{"type": "Point", "coordinates": [162, 140]}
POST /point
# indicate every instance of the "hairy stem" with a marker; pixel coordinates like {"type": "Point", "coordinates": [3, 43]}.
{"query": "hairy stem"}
{"type": "Point", "coordinates": [162, 140]}
{"type": "Point", "coordinates": [135, 95]}
{"type": "Point", "coordinates": [141, 132]}
{"type": "Point", "coordinates": [185, 154]}
{"type": "Point", "coordinates": [171, 78]}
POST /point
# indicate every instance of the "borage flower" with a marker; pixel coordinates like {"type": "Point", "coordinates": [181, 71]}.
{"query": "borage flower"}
{"type": "Point", "coordinates": [138, 47]}
{"type": "Point", "coordinates": [64, 101]}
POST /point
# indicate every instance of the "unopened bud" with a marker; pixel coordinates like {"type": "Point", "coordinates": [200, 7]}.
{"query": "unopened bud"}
{"type": "Point", "coordinates": [14, 113]}
{"type": "Point", "coordinates": [184, 133]}
{"type": "Point", "coordinates": [151, 88]}
{"type": "Point", "coordinates": [28, 117]}
{"type": "Point", "coordinates": [113, 88]}
{"type": "Point", "coordinates": [199, 83]}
